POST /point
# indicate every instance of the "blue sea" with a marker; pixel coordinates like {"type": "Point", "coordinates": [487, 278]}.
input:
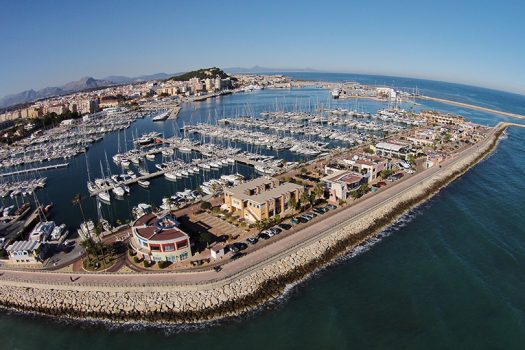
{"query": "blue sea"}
{"type": "Point", "coordinates": [448, 275]}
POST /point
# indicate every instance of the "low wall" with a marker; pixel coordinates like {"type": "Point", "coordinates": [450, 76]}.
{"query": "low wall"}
{"type": "Point", "coordinates": [243, 292]}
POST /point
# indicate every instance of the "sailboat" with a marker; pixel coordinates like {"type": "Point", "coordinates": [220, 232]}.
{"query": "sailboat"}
{"type": "Point", "coordinates": [104, 196]}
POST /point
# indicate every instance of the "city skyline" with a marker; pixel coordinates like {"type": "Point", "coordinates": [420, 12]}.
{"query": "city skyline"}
{"type": "Point", "coordinates": [56, 43]}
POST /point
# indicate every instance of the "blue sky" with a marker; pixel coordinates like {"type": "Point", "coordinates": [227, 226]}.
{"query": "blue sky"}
{"type": "Point", "coordinates": [48, 43]}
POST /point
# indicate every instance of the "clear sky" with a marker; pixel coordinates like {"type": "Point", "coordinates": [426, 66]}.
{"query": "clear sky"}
{"type": "Point", "coordinates": [48, 43]}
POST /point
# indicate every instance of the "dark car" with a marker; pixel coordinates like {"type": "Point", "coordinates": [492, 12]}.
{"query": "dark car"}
{"type": "Point", "coordinates": [240, 245]}
{"type": "Point", "coordinates": [276, 230]}
{"type": "Point", "coordinates": [264, 235]}
{"type": "Point", "coordinates": [232, 248]}
{"type": "Point", "coordinates": [285, 226]}
{"type": "Point", "coordinates": [303, 219]}
{"type": "Point", "coordinates": [318, 210]}
{"type": "Point", "coordinates": [253, 240]}
{"type": "Point", "coordinates": [238, 256]}
{"type": "Point", "coordinates": [331, 206]}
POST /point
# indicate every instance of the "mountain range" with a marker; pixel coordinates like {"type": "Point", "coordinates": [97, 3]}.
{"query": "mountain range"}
{"type": "Point", "coordinates": [89, 83]}
{"type": "Point", "coordinates": [86, 83]}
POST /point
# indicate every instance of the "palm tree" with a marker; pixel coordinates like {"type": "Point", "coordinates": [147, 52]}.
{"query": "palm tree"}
{"type": "Point", "coordinates": [305, 197]}
{"type": "Point", "coordinates": [90, 247]}
{"type": "Point", "coordinates": [318, 190]}
{"type": "Point", "coordinates": [77, 200]}
{"type": "Point", "coordinates": [292, 202]}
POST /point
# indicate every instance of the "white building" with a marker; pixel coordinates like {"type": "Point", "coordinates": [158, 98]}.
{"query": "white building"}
{"type": "Point", "coordinates": [24, 252]}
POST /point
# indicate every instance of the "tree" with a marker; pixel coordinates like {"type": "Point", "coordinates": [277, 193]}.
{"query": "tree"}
{"type": "Point", "coordinates": [90, 248]}
{"type": "Point", "coordinates": [318, 190]}
{"type": "Point", "coordinates": [312, 198]}
{"type": "Point", "coordinates": [361, 191]}
{"type": "Point", "coordinates": [411, 159]}
{"type": "Point", "coordinates": [368, 150]}
{"type": "Point", "coordinates": [303, 170]}
{"type": "Point", "coordinates": [386, 173]}
{"type": "Point", "coordinates": [206, 205]}
{"type": "Point", "coordinates": [305, 197]}
{"type": "Point", "coordinates": [77, 200]}
{"type": "Point", "coordinates": [292, 202]}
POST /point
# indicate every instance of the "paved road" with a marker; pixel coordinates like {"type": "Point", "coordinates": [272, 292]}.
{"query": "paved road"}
{"type": "Point", "coordinates": [258, 258]}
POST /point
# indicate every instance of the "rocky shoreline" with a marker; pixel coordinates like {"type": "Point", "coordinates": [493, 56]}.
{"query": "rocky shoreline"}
{"type": "Point", "coordinates": [234, 296]}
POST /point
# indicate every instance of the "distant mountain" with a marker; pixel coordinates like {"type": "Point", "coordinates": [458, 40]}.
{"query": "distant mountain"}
{"type": "Point", "coordinates": [86, 83]}
{"type": "Point", "coordinates": [259, 69]}
{"type": "Point", "coordinates": [126, 80]}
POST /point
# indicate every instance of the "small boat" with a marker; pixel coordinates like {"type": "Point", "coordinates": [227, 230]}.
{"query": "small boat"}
{"type": "Point", "coordinates": [170, 176]}
{"type": "Point", "coordinates": [87, 230]}
{"type": "Point", "coordinates": [119, 191]}
{"type": "Point", "coordinates": [57, 232]}
{"type": "Point", "coordinates": [105, 197]}
{"type": "Point", "coordinates": [150, 157]}
{"type": "Point", "coordinates": [185, 149]}
{"type": "Point", "coordinates": [144, 183]}
{"type": "Point", "coordinates": [167, 152]}
{"type": "Point", "coordinates": [161, 117]}
{"type": "Point", "coordinates": [125, 163]}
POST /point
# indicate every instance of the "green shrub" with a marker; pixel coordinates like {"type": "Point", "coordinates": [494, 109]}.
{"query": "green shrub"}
{"type": "Point", "coordinates": [206, 205]}
{"type": "Point", "coordinates": [163, 264]}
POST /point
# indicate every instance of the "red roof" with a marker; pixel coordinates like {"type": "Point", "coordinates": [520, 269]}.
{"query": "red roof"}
{"type": "Point", "coordinates": [154, 234]}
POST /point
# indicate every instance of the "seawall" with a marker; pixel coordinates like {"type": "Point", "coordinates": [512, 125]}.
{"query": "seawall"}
{"type": "Point", "coordinates": [186, 303]}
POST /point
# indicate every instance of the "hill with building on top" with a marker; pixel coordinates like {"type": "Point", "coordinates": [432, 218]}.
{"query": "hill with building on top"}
{"type": "Point", "coordinates": [202, 74]}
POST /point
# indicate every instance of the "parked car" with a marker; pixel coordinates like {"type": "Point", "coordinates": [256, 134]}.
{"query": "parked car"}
{"type": "Point", "coordinates": [308, 216]}
{"type": "Point", "coordinates": [240, 245]}
{"type": "Point", "coordinates": [232, 248]}
{"type": "Point", "coordinates": [264, 235]}
{"type": "Point", "coordinates": [304, 218]}
{"type": "Point", "coordinates": [319, 211]}
{"type": "Point", "coordinates": [268, 232]}
{"type": "Point", "coordinates": [276, 230]}
{"type": "Point", "coordinates": [331, 206]}
{"type": "Point", "coordinates": [252, 240]}
{"type": "Point", "coordinates": [285, 226]}
{"type": "Point", "coordinates": [238, 256]}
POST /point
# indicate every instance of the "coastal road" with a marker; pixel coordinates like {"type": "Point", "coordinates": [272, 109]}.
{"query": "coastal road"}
{"type": "Point", "coordinates": [258, 258]}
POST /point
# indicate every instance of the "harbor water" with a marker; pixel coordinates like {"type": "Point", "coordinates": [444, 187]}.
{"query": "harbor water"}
{"type": "Point", "coordinates": [448, 275]}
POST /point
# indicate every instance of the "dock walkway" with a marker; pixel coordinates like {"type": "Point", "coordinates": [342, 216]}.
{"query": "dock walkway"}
{"type": "Point", "coordinates": [30, 170]}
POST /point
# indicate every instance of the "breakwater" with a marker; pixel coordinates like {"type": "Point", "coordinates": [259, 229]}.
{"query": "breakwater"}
{"type": "Point", "coordinates": [193, 303]}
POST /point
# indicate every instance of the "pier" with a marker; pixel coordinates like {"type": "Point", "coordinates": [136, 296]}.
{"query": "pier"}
{"type": "Point", "coordinates": [30, 170]}
{"type": "Point", "coordinates": [173, 144]}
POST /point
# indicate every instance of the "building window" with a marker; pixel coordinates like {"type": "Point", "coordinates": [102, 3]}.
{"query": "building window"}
{"type": "Point", "coordinates": [155, 247]}
{"type": "Point", "coordinates": [168, 247]}
{"type": "Point", "coordinates": [184, 256]}
{"type": "Point", "coordinates": [182, 245]}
